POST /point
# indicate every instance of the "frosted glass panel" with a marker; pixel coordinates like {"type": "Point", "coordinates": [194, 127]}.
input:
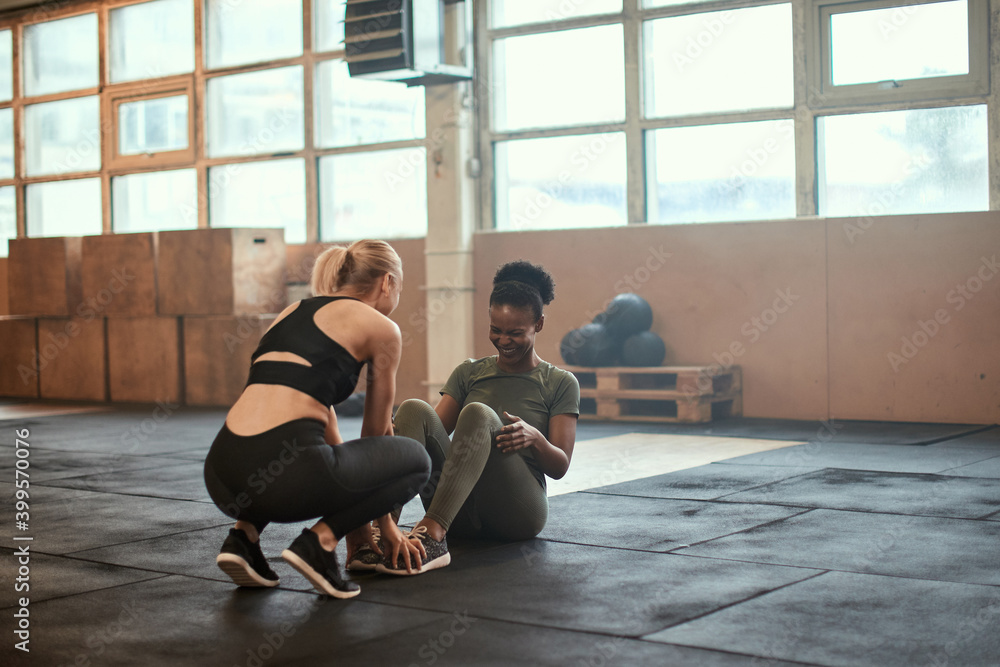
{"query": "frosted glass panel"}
{"type": "Point", "coordinates": [152, 39]}
{"type": "Point", "coordinates": [252, 31]}
{"type": "Point", "coordinates": [915, 161]}
{"type": "Point", "coordinates": [153, 126]}
{"type": "Point", "coordinates": [6, 143]}
{"type": "Point", "coordinates": [155, 201]}
{"type": "Point", "coordinates": [62, 137]}
{"type": "Point", "coordinates": [378, 194]}
{"type": "Point", "coordinates": [6, 66]}
{"type": "Point", "coordinates": [352, 111]}
{"type": "Point", "coordinates": [64, 208]}
{"type": "Point", "coordinates": [710, 173]}
{"type": "Point", "coordinates": [256, 113]}
{"type": "Point", "coordinates": [60, 55]}
{"type": "Point", "coordinates": [719, 61]}
{"type": "Point", "coordinates": [570, 77]}
{"type": "Point", "coordinates": [8, 218]}
{"type": "Point", "coordinates": [561, 183]}
{"type": "Point", "coordinates": [518, 12]}
{"type": "Point", "coordinates": [260, 194]}
{"type": "Point", "coordinates": [328, 16]}
{"type": "Point", "coordinates": [914, 42]}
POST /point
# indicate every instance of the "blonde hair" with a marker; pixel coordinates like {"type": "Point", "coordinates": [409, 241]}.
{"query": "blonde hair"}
{"type": "Point", "coordinates": [359, 265]}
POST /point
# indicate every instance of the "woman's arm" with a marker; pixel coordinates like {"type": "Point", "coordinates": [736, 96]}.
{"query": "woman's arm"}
{"type": "Point", "coordinates": [553, 454]}
{"type": "Point", "coordinates": [380, 393]}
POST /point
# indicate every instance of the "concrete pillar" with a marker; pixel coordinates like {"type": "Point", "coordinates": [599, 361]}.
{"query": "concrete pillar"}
{"type": "Point", "coordinates": [451, 218]}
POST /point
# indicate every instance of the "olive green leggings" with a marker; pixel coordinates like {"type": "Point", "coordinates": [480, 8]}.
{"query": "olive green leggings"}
{"type": "Point", "coordinates": [474, 490]}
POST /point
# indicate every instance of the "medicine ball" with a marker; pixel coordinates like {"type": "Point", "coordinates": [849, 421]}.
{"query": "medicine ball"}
{"type": "Point", "coordinates": [643, 349]}
{"type": "Point", "coordinates": [590, 345]}
{"type": "Point", "coordinates": [627, 314]}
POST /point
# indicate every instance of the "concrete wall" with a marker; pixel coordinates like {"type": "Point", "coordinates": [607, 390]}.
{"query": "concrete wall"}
{"type": "Point", "coordinates": [810, 309]}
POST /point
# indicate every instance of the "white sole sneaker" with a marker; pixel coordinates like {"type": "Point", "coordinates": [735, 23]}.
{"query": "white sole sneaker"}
{"type": "Point", "coordinates": [241, 573]}
{"type": "Point", "coordinates": [318, 581]}
{"type": "Point", "coordinates": [436, 564]}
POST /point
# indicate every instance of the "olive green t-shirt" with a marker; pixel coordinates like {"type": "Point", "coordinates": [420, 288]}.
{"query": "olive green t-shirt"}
{"type": "Point", "coordinates": [535, 396]}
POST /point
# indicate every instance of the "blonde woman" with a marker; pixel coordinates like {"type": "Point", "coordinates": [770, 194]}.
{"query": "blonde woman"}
{"type": "Point", "coordinates": [280, 456]}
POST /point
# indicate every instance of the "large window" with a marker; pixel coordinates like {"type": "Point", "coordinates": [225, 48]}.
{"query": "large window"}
{"type": "Point", "coordinates": [126, 120]}
{"type": "Point", "coordinates": [723, 111]}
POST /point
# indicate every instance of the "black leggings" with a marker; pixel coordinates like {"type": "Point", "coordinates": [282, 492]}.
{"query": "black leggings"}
{"type": "Point", "coordinates": [290, 474]}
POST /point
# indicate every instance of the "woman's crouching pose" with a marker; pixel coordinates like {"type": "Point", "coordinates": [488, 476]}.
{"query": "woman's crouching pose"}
{"type": "Point", "coordinates": [280, 457]}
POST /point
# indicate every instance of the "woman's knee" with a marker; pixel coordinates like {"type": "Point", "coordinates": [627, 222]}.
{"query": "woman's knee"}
{"type": "Point", "coordinates": [480, 414]}
{"type": "Point", "coordinates": [412, 414]}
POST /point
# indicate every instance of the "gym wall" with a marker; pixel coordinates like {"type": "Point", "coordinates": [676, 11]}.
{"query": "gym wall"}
{"type": "Point", "coordinates": [849, 300]}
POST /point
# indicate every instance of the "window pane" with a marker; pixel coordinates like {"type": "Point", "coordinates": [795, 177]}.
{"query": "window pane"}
{"type": "Point", "coordinates": [518, 12]}
{"type": "Point", "coordinates": [60, 55]}
{"type": "Point", "coordinates": [64, 208]}
{"type": "Point", "coordinates": [6, 66]}
{"type": "Point", "coordinates": [899, 43]}
{"type": "Point", "coordinates": [710, 173]}
{"type": "Point", "coordinates": [6, 143]}
{"type": "Point", "coordinates": [155, 201]}
{"type": "Point", "coordinates": [569, 77]}
{"type": "Point", "coordinates": [561, 183]}
{"type": "Point", "coordinates": [256, 113]}
{"type": "Point", "coordinates": [152, 39]}
{"type": "Point", "coordinates": [260, 194]}
{"type": "Point", "coordinates": [252, 31]}
{"type": "Point", "coordinates": [915, 161]}
{"type": "Point", "coordinates": [719, 61]}
{"type": "Point", "coordinates": [153, 126]}
{"type": "Point", "coordinates": [353, 111]}
{"type": "Point", "coordinates": [329, 18]}
{"type": "Point", "coordinates": [381, 194]}
{"type": "Point", "coordinates": [63, 136]}
{"type": "Point", "coordinates": [8, 218]}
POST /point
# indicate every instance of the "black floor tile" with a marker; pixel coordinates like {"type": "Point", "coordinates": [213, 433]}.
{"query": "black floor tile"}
{"type": "Point", "coordinates": [856, 456]}
{"type": "Point", "coordinates": [652, 524]}
{"type": "Point", "coordinates": [705, 482]}
{"type": "Point", "coordinates": [177, 480]}
{"type": "Point", "coordinates": [46, 465]}
{"type": "Point", "coordinates": [870, 432]}
{"type": "Point", "coordinates": [959, 550]}
{"type": "Point", "coordinates": [988, 438]}
{"type": "Point", "coordinates": [462, 640]}
{"type": "Point", "coordinates": [72, 520]}
{"type": "Point", "coordinates": [586, 588]}
{"type": "Point", "coordinates": [57, 576]}
{"type": "Point", "coordinates": [851, 619]}
{"type": "Point", "coordinates": [990, 469]}
{"type": "Point", "coordinates": [892, 493]}
{"type": "Point", "coordinates": [181, 621]}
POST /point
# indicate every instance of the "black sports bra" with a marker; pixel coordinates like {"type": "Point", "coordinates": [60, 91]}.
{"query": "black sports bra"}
{"type": "Point", "coordinates": [334, 371]}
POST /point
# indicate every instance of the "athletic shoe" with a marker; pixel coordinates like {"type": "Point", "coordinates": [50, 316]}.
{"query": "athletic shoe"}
{"type": "Point", "coordinates": [319, 566]}
{"type": "Point", "coordinates": [244, 562]}
{"type": "Point", "coordinates": [366, 558]}
{"type": "Point", "coordinates": [437, 554]}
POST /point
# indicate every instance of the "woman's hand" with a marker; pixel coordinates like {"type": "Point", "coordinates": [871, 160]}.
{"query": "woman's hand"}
{"type": "Point", "coordinates": [518, 435]}
{"type": "Point", "coordinates": [360, 537]}
{"type": "Point", "coordinates": [397, 544]}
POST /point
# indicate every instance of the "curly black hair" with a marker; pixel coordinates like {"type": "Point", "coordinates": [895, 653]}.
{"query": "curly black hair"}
{"type": "Point", "coordinates": [522, 284]}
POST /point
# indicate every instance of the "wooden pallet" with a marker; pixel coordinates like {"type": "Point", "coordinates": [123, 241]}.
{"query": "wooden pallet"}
{"type": "Point", "coordinates": [659, 394]}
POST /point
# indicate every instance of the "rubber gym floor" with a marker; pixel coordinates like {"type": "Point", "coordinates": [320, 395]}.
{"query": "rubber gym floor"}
{"type": "Point", "coordinates": [844, 543]}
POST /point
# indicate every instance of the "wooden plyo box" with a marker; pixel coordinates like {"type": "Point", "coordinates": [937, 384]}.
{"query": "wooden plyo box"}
{"type": "Point", "coordinates": [19, 357]}
{"type": "Point", "coordinates": [119, 274]}
{"type": "Point", "coordinates": [72, 358]}
{"type": "Point", "coordinates": [221, 272]}
{"type": "Point", "coordinates": [44, 276]}
{"type": "Point", "coordinates": [217, 353]}
{"type": "Point", "coordinates": [144, 359]}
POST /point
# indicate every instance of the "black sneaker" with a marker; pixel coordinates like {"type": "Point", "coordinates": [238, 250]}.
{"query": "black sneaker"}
{"type": "Point", "coordinates": [366, 558]}
{"type": "Point", "coordinates": [244, 562]}
{"type": "Point", "coordinates": [437, 554]}
{"type": "Point", "coordinates": [319, 566]}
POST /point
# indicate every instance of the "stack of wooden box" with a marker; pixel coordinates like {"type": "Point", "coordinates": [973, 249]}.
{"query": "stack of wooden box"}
{"type": "Point", "coordinates": [168, 316]}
